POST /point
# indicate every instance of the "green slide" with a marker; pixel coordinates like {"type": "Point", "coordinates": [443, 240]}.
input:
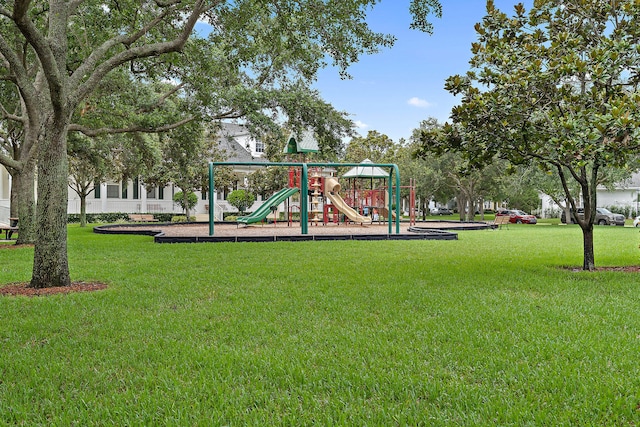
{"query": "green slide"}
{"type": "Point", "coordinates": [264, 209]}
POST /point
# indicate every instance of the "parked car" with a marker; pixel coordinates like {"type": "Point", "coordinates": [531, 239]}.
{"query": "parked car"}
{"type": "Point", "coordinates": [519, 217]}
{"type": "Point", "coordinates": [603, 217]}
{"type": "Point", "coordinates": [441, 211]}
{"type": "Point", "coordinates": [503, 212]}
{"type": "Point", "coordinates": [636, 222]}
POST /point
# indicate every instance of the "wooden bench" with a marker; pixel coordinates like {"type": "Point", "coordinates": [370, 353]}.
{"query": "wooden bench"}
{"type": "Point", "coordinates": [8, 230]}
{"type": "Point", "coordinates": [500, 221]}
{"type": "Point", "coordinates": [142, 218]}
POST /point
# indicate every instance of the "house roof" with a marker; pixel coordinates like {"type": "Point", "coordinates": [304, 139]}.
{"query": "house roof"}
{"type": "Point", "coordinates": [228, 143]}
{"type": "Point", "coordinates": [303, 143]}
{"type": "Point", "coordinates": [365, 171]}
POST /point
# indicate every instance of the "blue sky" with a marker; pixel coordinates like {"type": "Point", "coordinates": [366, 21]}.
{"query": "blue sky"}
{"type": "Point", "coordinates": [392, 91]}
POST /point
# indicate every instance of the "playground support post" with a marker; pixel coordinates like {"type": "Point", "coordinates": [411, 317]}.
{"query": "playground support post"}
{"type": "Point", "coordinates": [212, 203]}
{"type": "Point", "coordinates": [304, 208]}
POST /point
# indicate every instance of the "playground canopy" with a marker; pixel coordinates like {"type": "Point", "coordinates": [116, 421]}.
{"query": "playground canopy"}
{"type": "Point", "coordinates": [305, 143]}
{"type": "Point", "coordinates": [364, 171]}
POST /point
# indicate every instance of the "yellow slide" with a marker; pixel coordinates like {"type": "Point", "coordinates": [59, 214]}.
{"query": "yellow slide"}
{"type": "Point", "coordinates": [331, 189]}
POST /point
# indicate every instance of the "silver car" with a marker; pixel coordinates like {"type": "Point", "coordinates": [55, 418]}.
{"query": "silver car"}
{"type": "Point", "coordinates": [603, 217]}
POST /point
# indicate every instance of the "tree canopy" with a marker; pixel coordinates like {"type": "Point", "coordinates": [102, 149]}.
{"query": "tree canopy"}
{"type": "Point", "coordinates": [557, 85]}
{"type": "Point", "coordinates": [56, 53]}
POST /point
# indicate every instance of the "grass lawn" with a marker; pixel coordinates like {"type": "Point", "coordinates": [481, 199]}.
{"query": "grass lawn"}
{"type": "Point", "coordinates": [485, 330]}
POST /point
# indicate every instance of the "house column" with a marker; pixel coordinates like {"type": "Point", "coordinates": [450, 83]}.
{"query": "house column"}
{"type": "Point", "coordinates": [103, 197]}
{"type": "Point", "coordinates": [143, 198]}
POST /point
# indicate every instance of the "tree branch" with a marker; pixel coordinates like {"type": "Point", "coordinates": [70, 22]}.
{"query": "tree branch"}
{"type": "Point", "coordinates": [42, 48]}
{"type": "Point", "coordinates": [141, 129]}
{"type": "Point", "coordinates": [144, 51]}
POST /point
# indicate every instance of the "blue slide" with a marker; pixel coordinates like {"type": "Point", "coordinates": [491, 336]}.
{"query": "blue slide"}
{"type": "Point", "coordinates": [264, 209]}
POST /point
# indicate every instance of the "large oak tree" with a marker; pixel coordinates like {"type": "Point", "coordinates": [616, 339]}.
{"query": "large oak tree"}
{"type": "Point", "coordinates": [56, 52]}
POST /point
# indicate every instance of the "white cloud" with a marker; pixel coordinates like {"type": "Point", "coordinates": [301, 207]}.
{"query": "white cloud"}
{"type": "Point", "coordinates": [360, 125]}
{"type": "Point", "coordinates": [420, 103]}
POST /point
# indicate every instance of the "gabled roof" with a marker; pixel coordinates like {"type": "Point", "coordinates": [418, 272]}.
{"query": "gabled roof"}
{"type": "Point", "coordinates": [366, 171]}
{"type": "Point", "coordinates": [303, 143]}
{"type": "Point", "coordinates": [233, 151]}
{"type": "Point", "coordinates": [227, 142]}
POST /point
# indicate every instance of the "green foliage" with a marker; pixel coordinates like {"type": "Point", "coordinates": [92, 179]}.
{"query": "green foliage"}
{"type": "Point", "coordinates": [627, 211]}
{"type": "Point", "coordinates": [189, 203]}
{"type": "Point", "coordinates": [107, 68]}
{"type": "Point", "coordinates": [555, 86]}
{"type": "Point", "coordinates": [241, 199]}
{"type": "Point", "coordinates": [268, 180]}
{"type": "Point", "coordinates": [113, 217]}
{"type": "Point", "coordinates": [106, 217]}
{"type": "Point", "coordinates": [377, 147]}
{"type": "Point", "coordinates": [182, 218]}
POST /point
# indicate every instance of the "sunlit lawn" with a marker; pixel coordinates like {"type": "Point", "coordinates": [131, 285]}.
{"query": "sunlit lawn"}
{"type": "Point", "coordinates": [485, 330]}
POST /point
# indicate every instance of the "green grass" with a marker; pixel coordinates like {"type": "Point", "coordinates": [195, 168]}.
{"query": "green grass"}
{"type": "Point", "coordinates": [486, 330]}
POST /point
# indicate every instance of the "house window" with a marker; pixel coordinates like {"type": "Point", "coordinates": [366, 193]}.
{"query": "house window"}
{"type": "Point", "coordinates": [136, 189]}
{"type": "Point", "coordinates": [113, 191]}
{"type": "Point", "coordinates": [259, 147]}
{"type": "Point", "coordinates": [124, 190]}
{"type": "Point", "coordinates": [152, 193]}
{"type": "Point", "coordinates": [96, 190]}
{"type": "Point", "coordinates": [161, 193]}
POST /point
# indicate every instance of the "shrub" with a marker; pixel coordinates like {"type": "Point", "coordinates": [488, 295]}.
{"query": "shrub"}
{"type": "Point", "coordinates": [163, 217]}
{"type": "Point", "coordinates": [241, 200]}
{"type": "Point", "coordinates": [94, 218]}
{"type": "Point", "coordinates": [552, 213]}
{"type": "Point", "coordinates": [627, 211]}
{"type": "Point", "coordinates": [182, 218]}
{"type": "Point", "coordinates": [191, 202]}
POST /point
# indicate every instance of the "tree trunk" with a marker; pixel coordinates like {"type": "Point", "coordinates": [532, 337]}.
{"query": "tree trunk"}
{"type": "Point", "coordinates": [567, 213]}
{"type": "Point", "coordinates": [83, 209]}
{"type": "Point", "coordinates": [50, 261]}
{"type": "Point", "coordinates": [23, 203]}
{"type": "Point", "coordinates": [461, 201]}
{"type": "Point", "coordinates": [589, 258]}
{"type": "Point", "coordinates": [185, 200]}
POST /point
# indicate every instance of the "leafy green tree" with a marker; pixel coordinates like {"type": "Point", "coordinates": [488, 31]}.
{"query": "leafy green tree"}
{"type": "Point", "coordinates": [185, 153]}
{"type": "Point", "coordinates": [520, 196]}
{"type": "Point", "coordinates": [451, 175]}
{"type": "Point", "coordinates": [16, 142]}
{"type": "Point", "coordinates": [241, 200]}
{"type": "Point", "coordinates": [187, 200]}
{"type": "Point", "coordinates": [90, 162]}
{"type": "Point", "coordinates": [556, 85]}
{"type": "Point", "coordinates": [377, 147]}
{"type": "Point", "coordinates": [57, 52]}
{"type": "Point", "coordinates": [267, 181]}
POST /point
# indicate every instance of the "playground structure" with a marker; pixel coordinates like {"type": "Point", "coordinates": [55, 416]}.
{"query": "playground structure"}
{"type": "Point", "coordinates": [266, 208]}
{"type": "Point", "coordinates": [310, 192]}
{"type": "Point", "coordinates": [331, 191]}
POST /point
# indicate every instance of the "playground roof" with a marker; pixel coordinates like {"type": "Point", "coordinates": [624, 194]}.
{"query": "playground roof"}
{"type": "Point", "coordinates": [305, 143]}
{"type": "Point", "coordinates": [366, 171]}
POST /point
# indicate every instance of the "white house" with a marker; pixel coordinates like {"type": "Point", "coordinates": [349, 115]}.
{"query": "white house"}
{"type": "Point", "coordinates": [625, 194]}
{"type": "Point", "coordinates": [5, 195]}
{"type": "Point", "coordinates": [134, 197]}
